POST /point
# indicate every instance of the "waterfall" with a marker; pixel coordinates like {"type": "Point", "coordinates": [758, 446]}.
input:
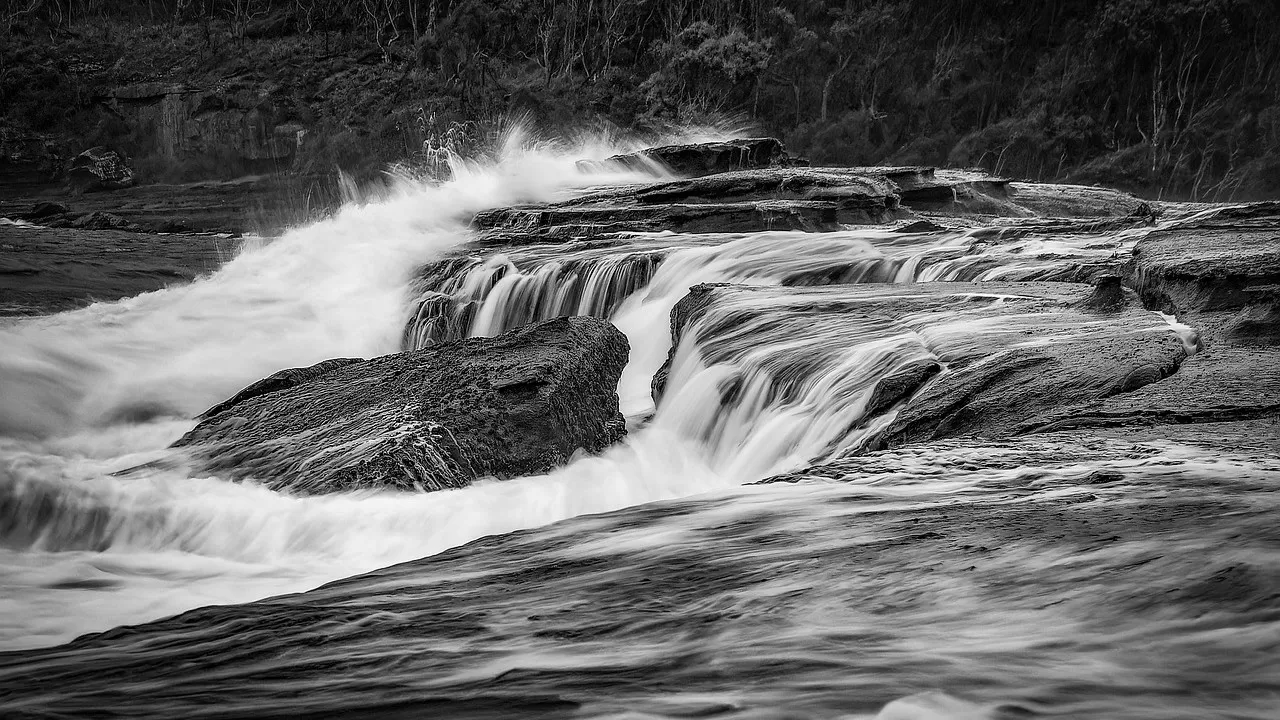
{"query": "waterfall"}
{"type": "Point", "coordinates": [91, 394]}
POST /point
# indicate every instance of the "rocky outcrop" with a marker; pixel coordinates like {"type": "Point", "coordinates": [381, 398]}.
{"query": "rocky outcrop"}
{"type": "Point", "coordinates": [58, 215]}
{"type": "Point", "coordinates": [1223, 262]}
{"type": "Point", "coordinates": [698, 159]}
{"type": "Point", "coordinates": [742, 201]}
{"type": "Point", "coordinates": [993, 358]}
{"type": "Point", "coordinates": [1220, 274]}
{"type": "Point", "coordinates": [517, 404]}
{"type": "Point", "coordinates": [98, 169]}
{"type": "Point", "coordinates": [751, 186]}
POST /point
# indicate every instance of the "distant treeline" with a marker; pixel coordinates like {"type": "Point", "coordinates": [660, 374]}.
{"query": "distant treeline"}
{"type": "Point", "coordinates": [1174, 97]}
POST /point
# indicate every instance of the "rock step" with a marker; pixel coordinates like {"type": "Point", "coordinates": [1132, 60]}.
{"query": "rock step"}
{"type": "Point", "coordinates": [750, 186]}
{"type": "Point", "coordinates": [994, 358]}
{"type": "Point", "coordinates": [698, 159]}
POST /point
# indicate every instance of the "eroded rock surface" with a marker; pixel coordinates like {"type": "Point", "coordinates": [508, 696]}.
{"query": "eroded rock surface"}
{"type": "Point", "coordinates": [698, 159]}
{"type": "Point", "coordinates": [750, 185]}
{"type": "Point", "coordinates": [517, 404]}
{"type": "Point", "coordinates": [982, 359]}
{"type": "Point", "coordinates": [1220, 275]}
{"type": "Point", "coordinates": [741, 201]}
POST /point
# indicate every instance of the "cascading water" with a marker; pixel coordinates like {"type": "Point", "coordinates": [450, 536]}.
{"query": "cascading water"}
{"type": "Point", "coordinates": [87, 394]}
{"type": "Point", "coordinates": [91, 393]}
{"type": "Point", "coordinates": [1075, 576]}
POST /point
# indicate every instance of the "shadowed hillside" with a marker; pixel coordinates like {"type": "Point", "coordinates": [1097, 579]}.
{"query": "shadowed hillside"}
{"type": "Point", "coordinates": [1170, 99]}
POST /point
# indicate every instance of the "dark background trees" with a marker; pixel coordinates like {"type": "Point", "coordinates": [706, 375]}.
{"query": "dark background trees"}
{"type": "Point", "coordinates": [1172, 97]}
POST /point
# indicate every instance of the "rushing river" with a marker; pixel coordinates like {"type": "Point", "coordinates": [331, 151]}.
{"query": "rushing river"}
{"type": "Point", "coordinates": [1125, 579]}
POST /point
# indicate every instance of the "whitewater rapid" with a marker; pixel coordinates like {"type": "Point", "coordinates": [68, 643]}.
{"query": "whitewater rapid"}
{"type": "Point", "coordinates": [99, 526]}
{"type": "Point", "coordinates": [97, 531]}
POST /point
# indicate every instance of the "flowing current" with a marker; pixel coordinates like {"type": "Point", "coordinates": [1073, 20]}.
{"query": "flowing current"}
{"type": "Point", "coordinates": [93, 535]}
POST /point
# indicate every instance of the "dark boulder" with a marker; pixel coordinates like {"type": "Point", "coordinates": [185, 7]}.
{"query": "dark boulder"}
{"type": "Point", "coordinates": [516, 404]}
{"type": "Point", "coordinates": [43, 210]}
{"type": "Point", "coordinates": [96, 220]}
{"type": "Point", "coordinates": [97, 169]}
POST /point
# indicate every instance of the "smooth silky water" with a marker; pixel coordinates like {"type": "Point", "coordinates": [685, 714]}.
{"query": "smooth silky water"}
{"type": "Point", "coordinates": [818, 599]}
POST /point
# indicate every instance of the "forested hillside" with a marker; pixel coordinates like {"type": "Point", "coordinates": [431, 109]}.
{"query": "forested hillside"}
{"type": "Point", "coordinates": [1165, 97]}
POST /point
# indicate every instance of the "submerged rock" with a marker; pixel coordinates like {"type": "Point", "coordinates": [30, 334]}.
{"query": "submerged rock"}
{"type": "Point", "coordinates": [516, 404]}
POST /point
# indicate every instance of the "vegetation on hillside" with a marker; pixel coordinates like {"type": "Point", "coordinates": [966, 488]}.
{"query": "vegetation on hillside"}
{"type": "Point", "coordinates": [1168, 97]}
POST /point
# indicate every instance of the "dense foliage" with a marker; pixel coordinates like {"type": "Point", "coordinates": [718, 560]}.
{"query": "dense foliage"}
{"type": "Point", "coordinates": [1174, 97]}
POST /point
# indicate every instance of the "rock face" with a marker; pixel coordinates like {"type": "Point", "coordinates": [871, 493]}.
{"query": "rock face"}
{"type": "Point", "coordinates": [1220, 263]}
{"type": "Point", "coordinates": [231, 125]}
{"type": "Point", "coordinates": [517, 404]}
{"type": "Point", "coordinates": [97, 169]}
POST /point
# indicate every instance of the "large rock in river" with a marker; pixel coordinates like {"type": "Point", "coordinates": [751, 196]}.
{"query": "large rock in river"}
{"type": "Point", "coordinates": [99, 168]}
{"type": "Point", "coordinates": [519, 403]}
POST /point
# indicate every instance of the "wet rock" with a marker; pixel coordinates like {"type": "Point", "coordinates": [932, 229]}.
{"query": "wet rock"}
{"type": "Point", "coordinates": [698, 159]}
{"type": "Point", "coordinates": [42, 210]}
{"type": "Point", "coordinates": [1009, 353]}
{"type": "Point", "coordinates": [1220, 273]}
{"type": "Point", "coordinates": [899, 386]}
{"type": "Point", "coordinates": [1223, 262]}
{"type": "Point", "coordinates": [97, 220]}
{"type": "Point", "coordinates": [1218, 384]}
{"type": "Point", "coordinates": [1108, 295]}
{"type": "Point", "coordinates": [743, 201]}
{"type": "Point", "coordinates": [99, 169]}
{"type": "Point", "coordinates": [920, 226]}
{"type": "Point", "coordinates": [283, 380]}
{"type": "Point", "coordinates": [759, 192]}
{"type": "Point", "coordinates": [1078, 201]}
{"type": "Point", "coordinates": [517, 404]}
